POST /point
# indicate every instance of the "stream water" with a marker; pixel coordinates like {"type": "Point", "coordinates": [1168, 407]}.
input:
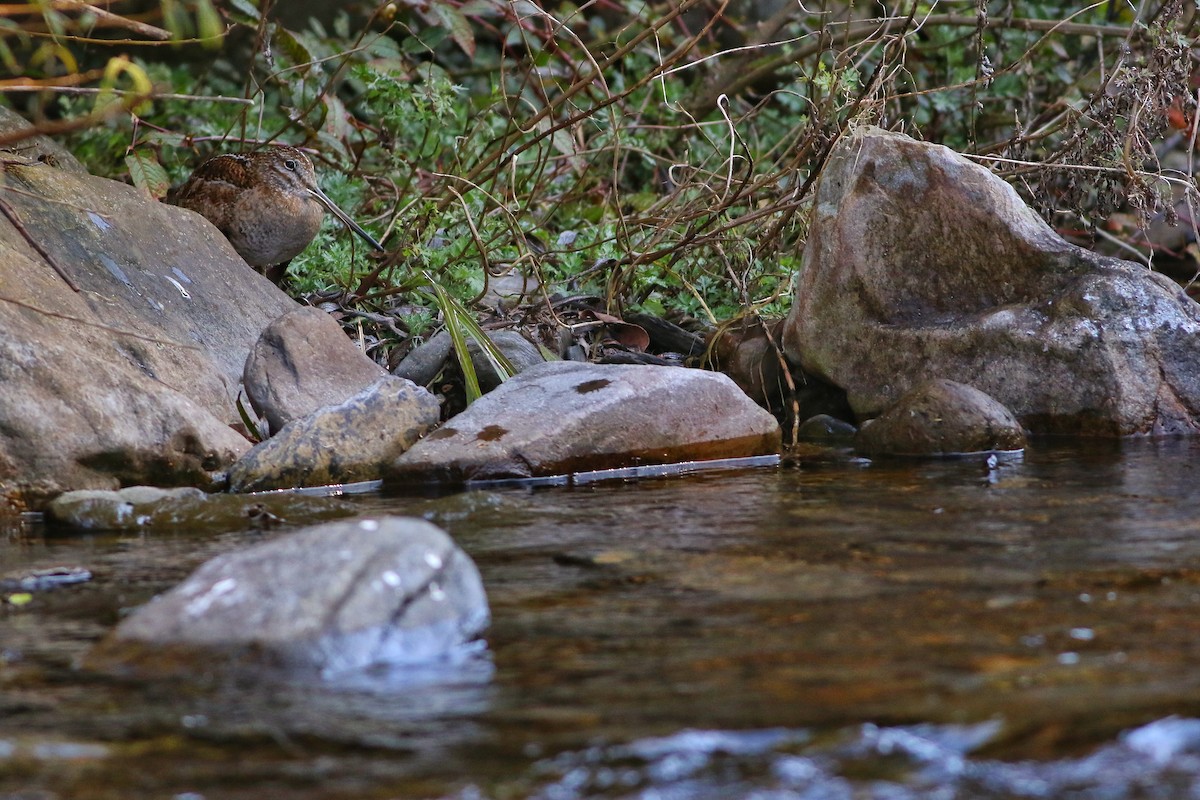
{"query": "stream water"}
{"type": "Point", "coordinates": [837, 629]}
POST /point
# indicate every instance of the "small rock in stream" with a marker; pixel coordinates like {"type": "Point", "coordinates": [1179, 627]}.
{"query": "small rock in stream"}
{"type": "Point", "coordinates": [148, 507]}
{"type": "Point", "coordinates": [345, 443]}
{"type": "Point", "coordinates": [337, 597]}
{"type": "Point", "coordinates": [940, 418]}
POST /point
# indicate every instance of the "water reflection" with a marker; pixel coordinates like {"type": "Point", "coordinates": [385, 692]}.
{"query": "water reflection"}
{"type": "Point", "coordinates": [840, 629]}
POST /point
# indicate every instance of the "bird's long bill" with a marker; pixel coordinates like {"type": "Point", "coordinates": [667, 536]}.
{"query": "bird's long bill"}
{"type": "Point", "coordinates": [344, 217]}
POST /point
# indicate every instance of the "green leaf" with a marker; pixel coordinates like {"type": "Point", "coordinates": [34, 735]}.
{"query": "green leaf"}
{"type": "Point", "coordinates": [459, 27]}
{"type": "Point", "coordinates": [460, 324]}
{"type": "Point", "coordinates": [147, 173]}
{"type": "Point", "coordinates": [208, 24]}
{"type": "Point", "coordinates": [248, 420]}
{"type": "Point", "coordinates": [247, 9]}
{"type": "Point", "coordinates": [291, 46]}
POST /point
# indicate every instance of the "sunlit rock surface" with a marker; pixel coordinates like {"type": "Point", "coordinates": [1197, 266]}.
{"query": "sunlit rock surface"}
{"type": "Point", "coordinates": [562, 417]}
{"type": "Point", "coordinates": [941, 417]}
{"type": "Point", "coordinates": [132, 379]}
{"type": "Point", "coordinates": [335, 597]}
{"type": "Point", "coordinates": [922, 264]}
{"type": "Point", "coordinates": [148, 508]}
{"type": "Point", "coordinates": [349, 442]}
{"type": "Point", "coordinates": [303, 361]}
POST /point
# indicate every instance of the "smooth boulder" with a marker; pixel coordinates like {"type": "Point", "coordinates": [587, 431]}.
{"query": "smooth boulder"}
{"type": "Point", "coordinates": [304, 361]}
{"type": "Point", "coordinates": [921, 264]}
{"type": "Point", "coordinates": [563, 417]}
{"type": "Point", "coordinates": [941, 418]}
{"type": "Point", "coordinates": [340, 596]}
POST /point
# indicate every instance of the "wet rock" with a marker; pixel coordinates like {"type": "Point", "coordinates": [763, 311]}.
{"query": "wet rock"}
{"type": "Point", "coordinates": [335, 597]}
{"type": "Point", "coordinates": [304, 361]}
{"type": "Point", "coordinates": [148, 508]}
{"type": "Point", "coordinates": [344, 443]}
{"type": "Point", "coordinates": [132, 379]}
{"type": "Point", "coordinates": [825, 428]}
{"type": "Point", "coordinates": [562, 417]}
{"type": "Point", "coordinates": [941, 417]}
{"type": "Point", "coordinates": [921, 264]}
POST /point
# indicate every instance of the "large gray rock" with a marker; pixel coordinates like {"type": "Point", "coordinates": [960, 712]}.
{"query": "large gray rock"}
{"type": "Point", "coordinates": [132, 379]}
{"type": "Point", "coordinates": [562, 417]}
{"type": "Point", "coordinates": [338, 596]}
{"type": "Point", "coordinates": [352, 441]}
{"type": "Point", "coordinates": [304, 361]}
{"type": "Point", "coordinates": [921, 264]}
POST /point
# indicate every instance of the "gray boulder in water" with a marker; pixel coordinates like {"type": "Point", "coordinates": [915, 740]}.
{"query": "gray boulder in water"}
{"type": "Point", "coordinates": [334, 597]}
{"type": "Point", "coordinates": [921, 264]}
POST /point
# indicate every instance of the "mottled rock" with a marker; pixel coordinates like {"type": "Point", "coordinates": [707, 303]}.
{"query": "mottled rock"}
{"type": "Point", "coordinates": [335, 597]}
{"type": "Point", "coordinates": [132, 379]}
{"type": "Point", "coordinates": [304, 361]}
{"type": "Point", "coordinates": [941, 417]}
{"type": "Point", "coordinates": [921, 264]}
{"type": "Point", "coordinates": [148, 508]}
{"type": "Point", "coordinates": [562, 417]}
{"type": "Point", "coordinates": [344, 443]}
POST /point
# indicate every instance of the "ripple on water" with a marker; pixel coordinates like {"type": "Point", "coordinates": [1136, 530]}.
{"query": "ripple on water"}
{"type": "Point", "coordinates": [919, 762]}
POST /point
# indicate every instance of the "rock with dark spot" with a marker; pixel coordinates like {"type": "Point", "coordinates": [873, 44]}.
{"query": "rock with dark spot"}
{"type": "Point", "coordinates": [344, 443]}
{"type": "Point", "coordinates": [148, 508]}
{"type": "Point", "coordinates": [562, 417]}
{"type": "Point", "coordinates": [331, 598]}
{"type": "Point", "coordinates": [133, 379]}
{"type": "Point", "coordinates": [921, 264]}
{"type": "Point", "coordinates": [304, 361]}
{"type": "Point", "coordinates": [938, 418]}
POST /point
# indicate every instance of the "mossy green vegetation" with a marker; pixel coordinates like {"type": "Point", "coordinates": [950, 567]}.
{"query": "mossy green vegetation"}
{"type": "Point", "coordinates": [659, 156]}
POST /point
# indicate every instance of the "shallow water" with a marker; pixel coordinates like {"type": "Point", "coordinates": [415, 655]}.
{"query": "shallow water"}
{"type": "Point", "coordinates": [840, 629]}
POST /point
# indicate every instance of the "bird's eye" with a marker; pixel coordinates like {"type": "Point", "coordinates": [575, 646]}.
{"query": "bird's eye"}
{"type": "Point", "coordinates": [290, 164]}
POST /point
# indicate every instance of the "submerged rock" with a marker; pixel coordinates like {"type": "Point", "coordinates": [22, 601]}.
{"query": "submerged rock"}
{"type": "Point", "coordinates": [335, 597]}
{"type": "Point", "coordinates": [133, 378]}
{"type": "Point", "coordinates": [349, 442]}
{"type": "Point", "coordinates": [562, 417]}
{"type": "Point", "coordinates": [941, 417]}
{"type": "Point", "coordinates": [921, 264]}
{"type": "Point", "coordinates": [139, 508]}
{"type": "Point", "coordinates": [303, 361]}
